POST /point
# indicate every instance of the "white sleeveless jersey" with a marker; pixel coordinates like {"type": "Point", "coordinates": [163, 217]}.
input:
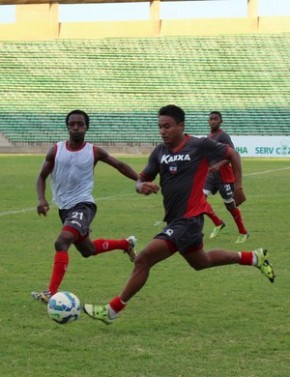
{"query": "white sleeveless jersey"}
{"type": "Point", "coordinates": [72, 178]}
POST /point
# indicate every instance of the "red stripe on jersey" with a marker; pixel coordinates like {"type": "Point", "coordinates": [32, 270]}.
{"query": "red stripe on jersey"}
{"type": "Point", "coordinates": [226, 172]}
{"type": "Point", "coordinates": [197, 203]}
{"type": "Point", "coordinates": [95, 154]}
{"type": "Point", "coordinates": [145, 177]}
{"type": "Point", "coordinates": [228, 152]}
{"type": "Point", "coordinates": [55, 152]}
{"type": "Point", "coordinates": [213, 135]}
{"type": "Point", "coordinates": [180, 147]}
{"type": "Point", "coordinates": [74, 150]}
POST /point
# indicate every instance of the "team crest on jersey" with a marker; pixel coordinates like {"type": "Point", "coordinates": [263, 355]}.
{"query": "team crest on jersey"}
{"type": "Point", "coordinates": [167, 158]}
{"type": "Point", "coordinates": [173, 168]}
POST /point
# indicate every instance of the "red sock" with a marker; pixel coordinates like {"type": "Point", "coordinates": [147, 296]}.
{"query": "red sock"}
{"type": "Point", "coordinates": [61, 260]}
{"type": "Point", "coordinates": [214, 218]}
{"type": "Point", "coordinates": [246, 258]}
{"type": "Point", "coordinates": [236, 213]}
{"type": "Point", "coordinates": [102, 246]}
{"type": "Point", "coordinates": [117, 304]}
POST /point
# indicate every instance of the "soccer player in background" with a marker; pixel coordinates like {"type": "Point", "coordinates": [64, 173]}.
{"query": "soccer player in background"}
{"type": "Point", "coordinates": [221, 179]}
{"type": "Point", "coordinates": [181, 162]}
{"type": "Point", "coordinates": [70, 165]}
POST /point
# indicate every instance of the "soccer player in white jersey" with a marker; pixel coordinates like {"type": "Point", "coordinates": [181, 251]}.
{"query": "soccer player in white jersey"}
{"type": "Point", "coordinates": [70, 165]}
{"type": "Point", "coordinates": [182, 163]}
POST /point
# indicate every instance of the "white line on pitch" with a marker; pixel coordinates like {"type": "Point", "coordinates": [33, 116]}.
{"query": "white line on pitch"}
{"type": "Point", "coordinates": [266, 171]}
{"type": "Point", "coordinates": [116, 197]}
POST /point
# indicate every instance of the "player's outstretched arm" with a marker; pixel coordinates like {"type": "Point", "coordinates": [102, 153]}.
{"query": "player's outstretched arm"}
{"type": "Point", "coordinates": [46, 169]}
{"type": "Point", "coordinates": [121, 166]}
{"type": "Point", "coordinates": [216, 167]}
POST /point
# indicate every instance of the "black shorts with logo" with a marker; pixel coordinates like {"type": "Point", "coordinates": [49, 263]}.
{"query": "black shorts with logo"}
{"type": "Point", "coordinates": [79, 217]}
{"type": "Point", "coordinates": [185, 233]}
{"type": "Point", "coordinates": [214, 185]}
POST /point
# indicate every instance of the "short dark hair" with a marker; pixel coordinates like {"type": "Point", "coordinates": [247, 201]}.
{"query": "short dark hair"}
{"type": "Point", "coordinates": [216, 113]}
{"type": "Point", "coordinates": [81, 112]}
{"type": "Point", "coordinates": [175, 112]}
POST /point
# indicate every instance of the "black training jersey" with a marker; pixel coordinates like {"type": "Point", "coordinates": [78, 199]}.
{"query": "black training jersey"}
{"type": "Point", "coordinates": [182, 175]}
{"type": "Point", "coordinates": [222, 137]}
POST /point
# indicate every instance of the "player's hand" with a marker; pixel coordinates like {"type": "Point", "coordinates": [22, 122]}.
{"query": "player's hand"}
{"type": "Point", "coordinates": [215, 168]}
{"type": "Point", "coordinates": [147, 188]}
{"type": "Point", "coordinates": [239, 196]}
{"type": "Point", "coordinates": [43, 207]}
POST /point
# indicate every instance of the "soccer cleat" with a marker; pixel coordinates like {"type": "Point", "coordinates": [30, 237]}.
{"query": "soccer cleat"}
{"type": "Point", "coordinates": [264, 265]}
{"type": "Point", "coordinates": [216, 230]}
{"type": "Point", "coordinates": [42, 296]}
{"type": "Point", "coordinates": [98, 312]}
{"type": "Point", "coordinates": [131, 249]}
{"type": "Point", "coordinates": [242, 238]}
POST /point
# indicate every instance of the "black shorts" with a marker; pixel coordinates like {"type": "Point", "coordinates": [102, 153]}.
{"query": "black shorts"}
{"type": "Point", "coordinates": [214, 185]}
{"type": "Point", "coordinates": [79, 217]}
{"type": "Point", "coordinates": [185, 233]}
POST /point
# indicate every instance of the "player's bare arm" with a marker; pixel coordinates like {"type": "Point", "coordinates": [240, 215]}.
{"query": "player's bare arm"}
{"type": "Point", "coordinates": [216, 167]}
{"type": "Point", "coordinates": [46, 169]}
{"type": "Point", "coordinates": [121, 166]}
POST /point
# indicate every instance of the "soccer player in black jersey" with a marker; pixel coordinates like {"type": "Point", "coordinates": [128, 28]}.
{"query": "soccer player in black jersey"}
{"type": "Point", "coordinates": [182, 162]}
{"type": "Point", "coordinates": [221, 179]}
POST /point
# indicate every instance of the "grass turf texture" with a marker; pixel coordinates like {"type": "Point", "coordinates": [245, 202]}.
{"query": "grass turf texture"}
{"type": "Point", "coordinates": [222, 322]}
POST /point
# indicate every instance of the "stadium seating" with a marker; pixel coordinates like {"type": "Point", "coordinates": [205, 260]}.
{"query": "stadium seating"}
{"type": "Point", "coordinates": [122, 83]}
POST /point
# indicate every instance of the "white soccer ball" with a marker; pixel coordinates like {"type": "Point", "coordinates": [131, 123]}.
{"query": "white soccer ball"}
{"type": "Point", "coordinates": [64, 307]}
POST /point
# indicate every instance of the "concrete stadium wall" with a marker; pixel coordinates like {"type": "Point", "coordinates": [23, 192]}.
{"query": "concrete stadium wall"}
{"type": "Point", "coordinates": [40, 22]}
{"type": "Point", "coordinates": [247, 146]}
{"type": "Point", "coordinates": [40, 31]}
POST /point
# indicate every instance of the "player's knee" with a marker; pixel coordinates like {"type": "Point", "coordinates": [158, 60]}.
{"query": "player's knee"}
{"type": "Point", "coordinates": [85, 250]}
{"type": "Point", "coordinates": [200, 263]}
{"type": "Point", "coordinates": [85, 254]}
{"type": "Point", "coordinates": [230, 205]}
{"type": "Point", "coordinates": [63, 243]}
{"type": "Point", "coordinates": [142, 262]}
{"type": "Point", "coordinates": [199, 267]}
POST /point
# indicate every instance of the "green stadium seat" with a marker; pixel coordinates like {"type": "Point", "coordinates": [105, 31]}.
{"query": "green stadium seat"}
{"type": "Point", "coordinates": [122, 82]}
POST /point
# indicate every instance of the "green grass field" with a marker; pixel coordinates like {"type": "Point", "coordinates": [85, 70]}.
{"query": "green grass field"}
{"type": "Point", "coordinates": [223, 322]}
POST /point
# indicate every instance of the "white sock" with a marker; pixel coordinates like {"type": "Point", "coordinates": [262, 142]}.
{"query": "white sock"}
{"type": "Point", "coordinates": [111, 313]}
{"type": "Point", "coordinates": [255, 259]}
